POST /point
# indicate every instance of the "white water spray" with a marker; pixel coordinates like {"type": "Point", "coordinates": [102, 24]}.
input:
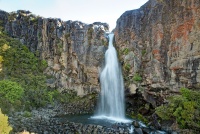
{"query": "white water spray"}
{"type": "Point", "coordinates": [131, 129]}
{"type": "Point", "coordinates": [111, 105]}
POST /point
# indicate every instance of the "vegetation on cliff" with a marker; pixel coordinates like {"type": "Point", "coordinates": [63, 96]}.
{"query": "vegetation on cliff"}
{"type": "Point", "coordinates": [184, 108]}
{"type": "Point", "coordinates": [11, 93]}
{"type": "Point", "coordinates": [22, 81]}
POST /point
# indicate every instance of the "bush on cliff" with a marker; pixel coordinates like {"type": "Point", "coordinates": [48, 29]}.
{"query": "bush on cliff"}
{"type": "Point", "coordinates": [184, 108]}
{"type": "Point", "coordinates": [137, 77]}
{"type": "Point", "coordinates": [10, 91]}
{"type": "Point", "coordinates": [4, 126]}
{"type": "Point", "coordinates": [20, 65]}
{"type": "Point", "coordinates": [10, 95]}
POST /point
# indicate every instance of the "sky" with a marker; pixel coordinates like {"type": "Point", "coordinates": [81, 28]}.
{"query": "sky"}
{"type": "Point", "coordinates": [87, 11]}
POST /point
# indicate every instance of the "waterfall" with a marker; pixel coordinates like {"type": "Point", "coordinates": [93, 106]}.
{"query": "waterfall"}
{"type": "Point", "coordinates": [111, 104]}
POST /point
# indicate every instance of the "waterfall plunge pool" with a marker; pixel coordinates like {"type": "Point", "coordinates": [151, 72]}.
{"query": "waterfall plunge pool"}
{"type": "Point", "coordinates": [107, 122]}
{"type": "Point", "coordinates": [111, 109]}
{"type": "Point", "coordinates": [96, 120]}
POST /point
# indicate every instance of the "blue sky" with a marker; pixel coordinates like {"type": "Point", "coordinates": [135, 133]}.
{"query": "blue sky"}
{"type": "Point", "coordinates": [87, 11]}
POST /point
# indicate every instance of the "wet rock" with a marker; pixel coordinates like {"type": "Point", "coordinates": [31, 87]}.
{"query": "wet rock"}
{"type": "Point", "coordinates": [136, 124]}
{"type": "Point", "coordinates": [155, 123]}
{"type": "Point", "coordinates": [146, 130]}
{"type": "Point", "coordinates": [138, 131]}
{"type": "Point", "coordinates": [143, 111]}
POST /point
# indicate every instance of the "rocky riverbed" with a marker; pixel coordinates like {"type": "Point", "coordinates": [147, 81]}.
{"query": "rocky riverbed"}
{"type": "Point", "coordinates": [46, 121]}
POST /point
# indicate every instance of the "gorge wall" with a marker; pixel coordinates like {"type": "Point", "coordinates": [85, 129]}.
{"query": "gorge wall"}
{"type": "Point", "coordinates": [158, 46]}
{"type": "Point", "coordinates": [73, 50]}
{"type": "Point", "coordinates": [160, 42]}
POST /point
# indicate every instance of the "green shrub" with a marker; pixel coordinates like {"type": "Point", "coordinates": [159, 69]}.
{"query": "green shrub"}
{"type": "Point", "coordinates": [127, 67]}
{"type": "Point", "coordinates": [126, 51]}
{"type": "Point", "coordinates": [183, 108]}
{"type": "Point", "coordinates": [43, 65]}
{"type": "Point", "coordinates": [144, 52]}
{"type": "Point", "coordinates": [10, 91]}
{"type": "Point", "coordinates": [139, 117]}
{"type": "Point", "coordinates": [137, 77]}
{"type": "Point", "coordinates": [5, 128]}
{"type": "Point", "coordinates": [27, 114]}
{"type": "Point", "coordinates": [1, 59]}
{"type": "Point", "coordinates": [11, 94]}
{"type": "Point", "coordinates": [36, 92]}
{"type": "Point", "coordinates": [23, 67]}
{"type": "Point", "coordinates": [63, 97]}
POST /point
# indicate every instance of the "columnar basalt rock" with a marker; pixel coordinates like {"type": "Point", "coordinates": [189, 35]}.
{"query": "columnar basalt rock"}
{"type": "Point", "coordinates": [160, 41]}
{"type": "Point", "coordinates": [73, 50]}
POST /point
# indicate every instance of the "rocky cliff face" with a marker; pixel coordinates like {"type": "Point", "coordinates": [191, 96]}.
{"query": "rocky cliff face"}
{"type": "Point", "coordinates": [160, 42]}
{"type": "Point", "coordinates": [73, 50]}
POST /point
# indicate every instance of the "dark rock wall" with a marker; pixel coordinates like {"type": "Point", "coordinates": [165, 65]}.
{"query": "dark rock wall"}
{"type": "Point", "coordinates": [73, 50]}
{"type": "Point", "coordinates": [162, 44]}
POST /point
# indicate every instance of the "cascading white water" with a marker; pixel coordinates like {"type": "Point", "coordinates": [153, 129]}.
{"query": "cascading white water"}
{"type": "Point", "coordinates": [111, 104]}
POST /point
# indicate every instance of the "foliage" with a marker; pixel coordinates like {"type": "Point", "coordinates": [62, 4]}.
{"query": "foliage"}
{"type": "Point", "coordinates": [142, 118]}
{"type": "Point", "coordinates": [144, 52]}
{"type": "Point", "coordinates": [43, 65]}
{"type": "Point", "coordinates": [1, 59]}
{"type": "Point", "coordinates": [17, 59]}
{"type": "Point", "coordinates": [10, 91]}
{"type": "Point", "coordinates": [5, 47]}
{"type": "Point", "coordinates": [89, 34]}
{"type": "Point", "coordinates": [4, 126]}
{"type": "Point", "coordinates": [137, 77]}
{"type": "Point", "coordinates": [139, 117]}
{"type": "Point", "coordinates": [23, 67]}
{"type": "Point", "coordinates": [184, 108]}
{"type": "Point", "coordinates": [126, 51]}
{"type": "Point", "coordinates": [63, 97]}
{"type": "Point", "coordinates": [36, 93]}
{"type": "Point", "coordinates": [127, 67]}
{"type": "Point", "coordinates": [11, 94]}
{"type": "Point", "coordinates": [7, 106]}
{"type": "Point", "coordinates": [27, 114]}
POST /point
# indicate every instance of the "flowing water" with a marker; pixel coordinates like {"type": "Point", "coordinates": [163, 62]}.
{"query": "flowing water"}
{"type": "Point", "coordinates": [111, 104]}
